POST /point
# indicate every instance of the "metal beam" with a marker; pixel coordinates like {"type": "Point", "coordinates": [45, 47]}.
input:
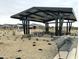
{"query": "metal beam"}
{"type": "Point", "coordinates": [30, 18]}
{"type": "Point", "coordinates": [59, 11]}
{"type": "Point", "coordinates": [26, 15]}
{"type": "Point", "coordinates": [35, 14]}
{"type": "Point", "coordinates": [58, 22]}
{"type": "Point", "coordinates": [45, 18]}
{"type": "Point", "coordinates": [46, 12]}
{"type": "Point", "coordinates": [35, 19]}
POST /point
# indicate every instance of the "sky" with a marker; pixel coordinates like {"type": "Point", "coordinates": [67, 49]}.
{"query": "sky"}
{"type": "Point", "coordinates": [11, 7]}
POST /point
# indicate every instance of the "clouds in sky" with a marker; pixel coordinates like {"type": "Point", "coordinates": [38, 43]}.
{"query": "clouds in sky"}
{"type": "Point", "coordinates": [10, 7]}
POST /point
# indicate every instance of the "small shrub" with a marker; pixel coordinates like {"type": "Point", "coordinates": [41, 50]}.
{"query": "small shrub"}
{"type": "Point", "coordinates": [13, 33]}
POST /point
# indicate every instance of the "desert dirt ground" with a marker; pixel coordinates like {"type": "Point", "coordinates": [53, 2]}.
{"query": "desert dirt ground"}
{"type": "Point", "coordinates": [13, 45]}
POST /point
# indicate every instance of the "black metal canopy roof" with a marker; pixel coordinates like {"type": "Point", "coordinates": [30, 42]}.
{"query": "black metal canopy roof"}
{"type": "Point", "coordinates": [45, 14]}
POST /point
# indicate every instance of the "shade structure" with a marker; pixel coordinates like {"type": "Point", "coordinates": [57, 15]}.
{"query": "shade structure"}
{"type": "Point", "coordinates": [46, 14]}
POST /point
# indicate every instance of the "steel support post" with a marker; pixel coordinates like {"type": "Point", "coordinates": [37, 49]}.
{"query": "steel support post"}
{"type": "Point", "coordinates": [70, 26]}
{"type": "Point", "coordinates": [27, 26]}
{"type": "Point", "coordinates": [23, 22]}
{"type": "Point", "coordinates": [46, 27]}
{"type": "Point", "coordinates": [60, 26]}
{"type": "Point", "coordinates": [56, 27]}
{"type": "Point", "coordinates": [67, 28]}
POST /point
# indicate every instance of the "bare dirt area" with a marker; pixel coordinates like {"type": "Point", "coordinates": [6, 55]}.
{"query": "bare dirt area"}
{"type": "Point", "coordinates": [13, 45]}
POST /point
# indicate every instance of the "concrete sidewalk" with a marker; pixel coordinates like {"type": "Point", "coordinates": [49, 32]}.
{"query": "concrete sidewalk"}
{"type": "Point", "coordinates": [63, 54]}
